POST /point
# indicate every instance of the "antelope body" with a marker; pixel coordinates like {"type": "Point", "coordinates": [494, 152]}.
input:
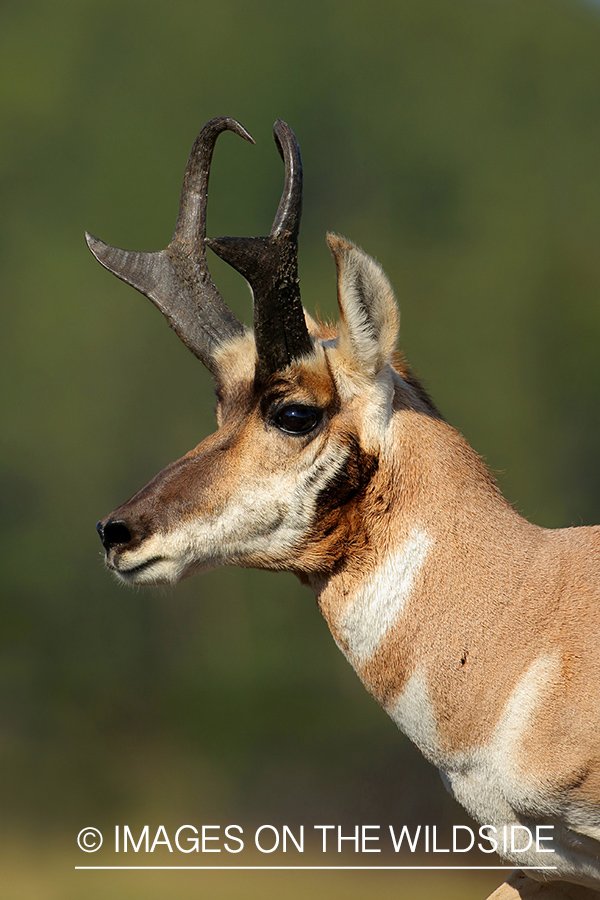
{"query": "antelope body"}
{"type": "Point", "coordinates": [478, 632]}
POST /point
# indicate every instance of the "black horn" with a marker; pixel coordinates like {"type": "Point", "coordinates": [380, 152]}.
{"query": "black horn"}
{"type": "Point", "coordinates": [270, 265]}
{"type": "Point", "coordinates": [177, 279]}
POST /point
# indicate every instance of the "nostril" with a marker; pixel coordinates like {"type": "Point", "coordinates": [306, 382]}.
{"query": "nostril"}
{"type": "Point", "coordinates": [113, 532]}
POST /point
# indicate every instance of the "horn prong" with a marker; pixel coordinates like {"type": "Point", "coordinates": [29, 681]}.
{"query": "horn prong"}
{"type": "Point", "coordinates": [132, 266]}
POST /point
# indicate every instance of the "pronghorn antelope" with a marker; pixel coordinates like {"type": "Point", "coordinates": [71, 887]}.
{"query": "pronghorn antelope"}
{"type": "Point", "coordinates": [478, 632]}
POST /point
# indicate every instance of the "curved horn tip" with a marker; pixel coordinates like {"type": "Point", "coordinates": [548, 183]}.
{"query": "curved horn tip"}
{"type": "Point", "coordinates": [281, 127]}
{"type": "Point", "coordinates": [284, 137]}
{"type": "Point", "coordinates": [226, 123]}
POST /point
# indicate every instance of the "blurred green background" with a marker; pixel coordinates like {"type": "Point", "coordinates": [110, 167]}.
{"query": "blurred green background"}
{"type": "Point", "coordinates": [458, 142]}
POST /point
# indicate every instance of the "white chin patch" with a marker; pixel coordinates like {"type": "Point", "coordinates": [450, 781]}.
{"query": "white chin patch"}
{"type": "Point", "coordinates": [155, 570]}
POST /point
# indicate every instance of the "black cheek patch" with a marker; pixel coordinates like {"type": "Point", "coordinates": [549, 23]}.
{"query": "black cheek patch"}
{"type": "Point", "coordinates": [349, 483]}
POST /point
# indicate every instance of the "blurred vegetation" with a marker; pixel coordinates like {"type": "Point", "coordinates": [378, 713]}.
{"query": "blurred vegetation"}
{"type": "Point", "coordinates": [459, 143]}
{"type": "Point", "coordinates": [54, 879]}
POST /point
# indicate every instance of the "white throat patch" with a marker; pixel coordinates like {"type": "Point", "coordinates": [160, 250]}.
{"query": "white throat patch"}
{"type": "Point", "coordinates": [380, 602]}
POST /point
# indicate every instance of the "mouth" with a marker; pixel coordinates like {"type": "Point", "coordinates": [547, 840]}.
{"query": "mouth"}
{"type": "Point", "coordinates": [130, 573]}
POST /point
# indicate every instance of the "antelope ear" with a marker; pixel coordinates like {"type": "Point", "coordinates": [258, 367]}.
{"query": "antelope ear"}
{"type": "Point", "coordinates": [368, 328]}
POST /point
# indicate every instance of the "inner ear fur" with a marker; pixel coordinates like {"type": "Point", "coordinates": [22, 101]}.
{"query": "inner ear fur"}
{"type": "Point", "coordinates": [368, 328]}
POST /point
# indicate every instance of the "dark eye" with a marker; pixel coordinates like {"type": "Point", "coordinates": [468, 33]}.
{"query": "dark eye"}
{"type": "Point", "coordinates": [297, 418]}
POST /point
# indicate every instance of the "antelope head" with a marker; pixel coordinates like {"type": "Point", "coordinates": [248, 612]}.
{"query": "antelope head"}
{"type": "Point", "coordinates": [302, 409]}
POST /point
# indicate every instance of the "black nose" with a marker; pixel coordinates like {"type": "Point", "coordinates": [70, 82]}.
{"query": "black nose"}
{"type": "Point", "coordinates": [113, 532]}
